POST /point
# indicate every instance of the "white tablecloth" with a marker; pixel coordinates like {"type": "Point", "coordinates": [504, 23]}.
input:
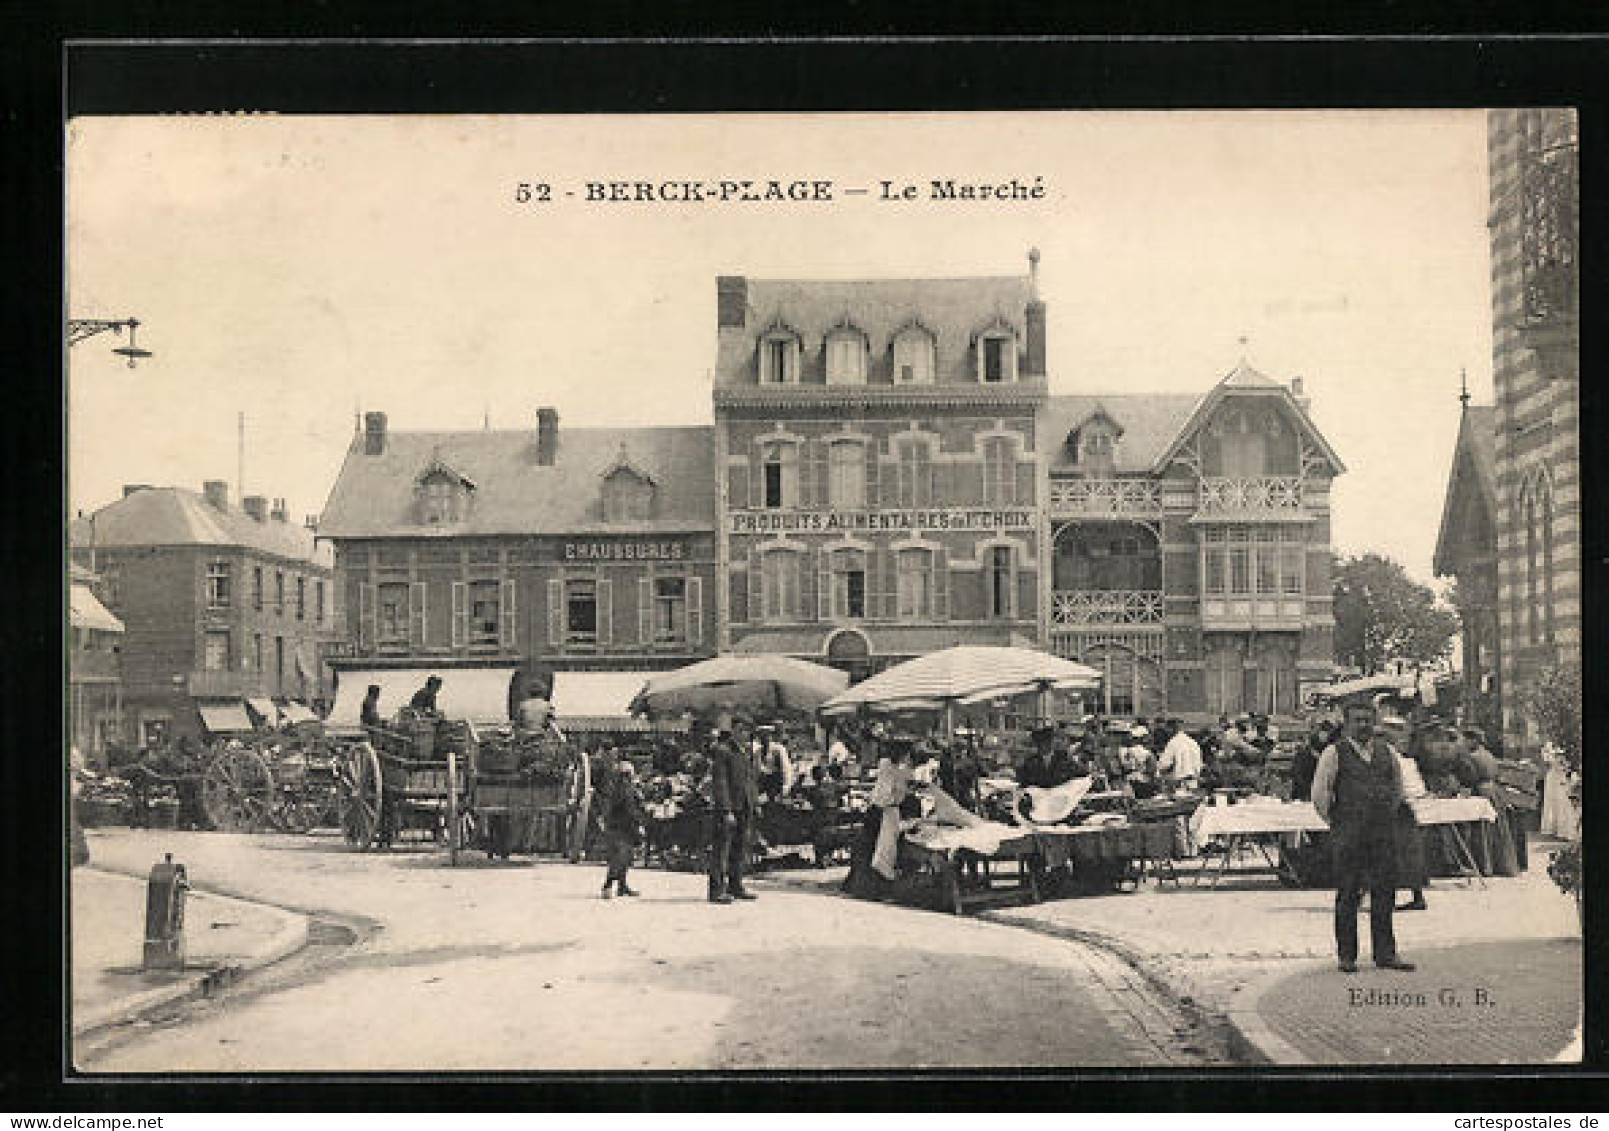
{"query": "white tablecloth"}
{"type": "Point", "coordinates": [1451, 810]}
{"type": "Point", "coordinates": [1254, 817]}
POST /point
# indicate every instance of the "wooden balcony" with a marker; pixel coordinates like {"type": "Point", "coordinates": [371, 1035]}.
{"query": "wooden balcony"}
{"type": "Point", "coordinates": [1105, 499]}
{"type": "Point", "coordinates": [1092, 608]}
{"type": "Point", "coordinates": [1258, 498]}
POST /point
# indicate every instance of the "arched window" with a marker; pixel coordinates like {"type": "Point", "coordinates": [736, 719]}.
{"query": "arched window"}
{"type": "Point", "coordinates": [780, 579]}
{"type": "Point", "coordinates": [913, 356]}
{"type": "Point", "coordinates": [914, 583]}
{"type": "Point", "coordinates": [1536, 515]}
{"type": "Point", "coordinates": [1533, 609]}
{"type": "Point", "coordinates": [846, 473]}
{"type": "Point", "coordinates": [846, 356]}
{"type": "Point", "coordinates": [779, 358]}
{"type": "Point", "coordinates": [848, 583]}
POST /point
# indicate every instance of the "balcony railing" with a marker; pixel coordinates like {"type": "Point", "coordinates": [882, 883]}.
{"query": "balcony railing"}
{"type": "Point", "coordinates": [1082, 608]}
{"type": "Point", "coordinates": [1105, 498]}
{"type": "Point", "coordinates": [1263, 496]}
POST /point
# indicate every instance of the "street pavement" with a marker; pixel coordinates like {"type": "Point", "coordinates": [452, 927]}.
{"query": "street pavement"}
{"type": "Point", "coordinates": [108, 933]}
{"type": "Point", "coordinates": [520, 965]}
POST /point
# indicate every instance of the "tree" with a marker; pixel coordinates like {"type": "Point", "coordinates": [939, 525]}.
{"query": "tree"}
{"type": "Point", "coordinates": [1382, 614]}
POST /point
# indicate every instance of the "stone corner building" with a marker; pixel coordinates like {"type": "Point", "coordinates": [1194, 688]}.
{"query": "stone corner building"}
{"type": "Point", "coordinates": [1532, 536]}
{"type": "Point", "coordinates": [888, 474]}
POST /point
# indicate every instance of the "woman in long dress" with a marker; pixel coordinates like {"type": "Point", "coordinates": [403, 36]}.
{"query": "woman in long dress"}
{"type": "Point", "coordinates": [871, 861]}
{"type": "Point", "coordinates": [1559, 816]}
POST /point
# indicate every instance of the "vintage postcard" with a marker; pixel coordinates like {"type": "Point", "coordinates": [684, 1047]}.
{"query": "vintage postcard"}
{"type": "Point", "coordinates": [844, 591]}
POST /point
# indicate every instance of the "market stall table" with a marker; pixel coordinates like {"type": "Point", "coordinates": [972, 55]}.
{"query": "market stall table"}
{"type": "Point", "coordinates": [1251, 825]}
{"type": "Point", "coordinates": [1447, 816]}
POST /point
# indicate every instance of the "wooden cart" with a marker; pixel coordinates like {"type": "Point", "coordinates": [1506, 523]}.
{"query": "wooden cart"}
{"type": "Point", "coordinates": [413, 778]}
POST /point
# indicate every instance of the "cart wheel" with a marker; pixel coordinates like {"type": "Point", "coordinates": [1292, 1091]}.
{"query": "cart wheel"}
{"type": "Point", "coordinates": [360, 783]}
{"type": "Point", "coordinates": [237, 791]}
{"type": "Point", "coordinates": [454, 832]}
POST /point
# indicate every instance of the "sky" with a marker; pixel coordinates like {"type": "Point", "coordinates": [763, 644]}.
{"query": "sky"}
{"type": "Point", "coordinates": [299, 269]}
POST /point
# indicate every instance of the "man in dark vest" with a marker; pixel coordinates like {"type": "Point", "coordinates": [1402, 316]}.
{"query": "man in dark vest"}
{"type": "Point", "coordinates": [735, 800]}
{"type": "Point", "coordinates": [1357, 789]}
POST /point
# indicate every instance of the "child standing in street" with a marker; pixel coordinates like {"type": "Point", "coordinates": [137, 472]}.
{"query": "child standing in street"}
{"type": "Point", "coordinates": [623, 820]}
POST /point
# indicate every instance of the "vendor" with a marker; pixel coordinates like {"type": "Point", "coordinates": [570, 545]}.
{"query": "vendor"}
{"type": "Point", "coordinates": [1181, 758]}
{"type": "Point", "coordinates": [959, 771]}
{"type": "Point", "coordinates": [776, 767]}
{"type": "Point", "coordinates": [1139, 764]}
{"type": "Point", "coordinates": [424, 700]}
{"type": "Point", "coordinates": [872, 860]}
{"type": "Point", "coordinates": [369, 715]}
{"type": "Point", "coordinates": [1412, 871]}
{"type": "Point", "coordinates": [1037, 769]}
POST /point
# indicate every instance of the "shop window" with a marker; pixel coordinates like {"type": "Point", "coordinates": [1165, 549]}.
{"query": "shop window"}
{"type": "Point", "coordinates": [485, 611]}
{"type": "Point", "coordinates": [217, 585]}
{"type": "Point", "coordinates": [848, 583]}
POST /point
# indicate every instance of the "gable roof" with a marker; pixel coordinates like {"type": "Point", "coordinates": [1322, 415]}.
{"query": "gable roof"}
{"type": "Point", "coordinates": [1475, 449]}
{"type": "Point", "coordinates": [1149, 422]}
{"type": "Point", "coordinates": [173, 516]}
{"type": "Point", "coordinates": [373, 495]}
{"type": "Point", "coordinates": [1240, 380]}
{"type": "Point", "coordinates": [952, 310]}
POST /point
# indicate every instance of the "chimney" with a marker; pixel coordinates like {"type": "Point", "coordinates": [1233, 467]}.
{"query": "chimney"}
{"type": "Point", "coordinates": [279, 513]}
{"type": "Point", "coordinates": [217, 493]}
{"type": "Point", "coordinates": [311, 522]}
{"type": "Point", "coordinates": [130, 488]}
{"type": "Point", "coordinates": [256, 506]}
{"type": "Point", "coordinates": [1033, 362]}
{"type": "Point", "coordinates": [1302, 401]}
{"type": "Point", "coordinates": [731, 301]}
{"type": "Point", "coordinates": [373, 433]}
{"type": "Point", "coordinates": [547, 436]}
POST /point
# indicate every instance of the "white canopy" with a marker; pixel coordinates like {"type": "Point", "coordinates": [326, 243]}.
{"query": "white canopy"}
{"type": "Point", "coordinates": [964, 671]}
{"type": "Point", "coordinates": [479, 695]}
{"type": "Point", "coordinates": [595, 695]}
{"type": "Point", "coordinates": [86, 611]}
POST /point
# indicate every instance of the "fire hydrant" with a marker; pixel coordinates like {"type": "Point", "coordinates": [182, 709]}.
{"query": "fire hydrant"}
{"type": "Point", "coordinates": [164, 915]}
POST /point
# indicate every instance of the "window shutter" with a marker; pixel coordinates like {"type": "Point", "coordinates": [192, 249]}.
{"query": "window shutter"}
{"type": "Point", "coordinates": [823, 584]}
{"type": "Point", "coordinates": [806, 496]}
{"type": "Point", "coordinates": [792, 473]}
{"type": "Point", "coordinates": [416, 614]}
{"type": "Point", "coordinates": [556, 611]}
{"type": "Point", "coordinates": [941, 480]}
{"type": "Point", "coordinates": [366, 631]}
{"type": "Point", "coordinates": [819, 458]}
{"type": "Point", "coordinates": [941, 584]}
{"type": "Point", "coordinates": [756, 477]}
{"type": "Point", "coordinates": [695, 611]}
{"type": "Point", "coordinates": [606, 628]}
{"type": "Point", "coordinates": [645, 610]}
{"type": "Point", "coordinates": [756, 586]}
{"type": "Point", "coordinates": [1025, 483]}
{"type": "Point", "coordinates": [876, 595]}
{"type": "Point", "coordinates": [871, 473]}
{"type": "Point", "coordinates": [508, 619]}
{"type": "Point", "coordinates": [460, 615]}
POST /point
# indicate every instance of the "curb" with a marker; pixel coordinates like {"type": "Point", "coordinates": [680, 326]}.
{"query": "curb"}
{"type": "Point", "coordinates": [293, 935]}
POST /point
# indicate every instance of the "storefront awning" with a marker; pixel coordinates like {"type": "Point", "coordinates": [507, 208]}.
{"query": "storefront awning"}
{"type": "Point", "coordinates": [265, 709]}
{"type": "Point", "coordinates": [479, 695]}
{"type": "Point", "coordinates": [597, 700]}
{"type": "Point", "coordinates": [87, 612]}
{"type": "Point", "coordinates": [297, 712]}
{"type": "Point", "coordinates": [224, 716]}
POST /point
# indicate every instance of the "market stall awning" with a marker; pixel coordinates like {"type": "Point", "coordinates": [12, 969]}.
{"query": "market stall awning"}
{"type": "Point", "coordinates": [224, 716]}
{"type": "Point", "coordinates": [265, 709]}
{"type": "Point", "coordinates": [1368, 685]}
{"type": "Point", "coordinates": [597, 700]}
{"type": "Point", "coordinates": [296, 711]}
{"type": "Point", "coordinates": [479, 695]}
{"type": "Point", "coordinates": [87, 611]}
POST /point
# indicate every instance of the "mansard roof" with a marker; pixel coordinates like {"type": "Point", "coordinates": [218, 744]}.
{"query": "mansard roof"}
{"type": "Point", "coordinates": [515, 494]}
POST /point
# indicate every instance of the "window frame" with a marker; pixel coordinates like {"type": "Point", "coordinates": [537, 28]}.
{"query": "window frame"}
{"type": "Point", "coordinates": [476, 634]}
{"type": "Point", "coordinates": [783, 603]}
{"type": "Point", "coordinates": [577, 590]}
{"type": "Point", "coordinates": [996, 577]}
{"type": "Point", "coordinates": [389, 631]}
{"type": "Point", "coordinates": [855, 464]}
{"type": "Point", "coordinates": [1006, 342]}
{"type": "Point", "coordinates": [913, 477]}
{"type": "Point", "coordinates": [924, 608]}
{"type": "Point", "coordinates": [210, 637]}
{"type": "Point", "coordinates": [218, 584]}
{"type": "Point", "coordinates": [843, 564]}
{"type": "Point", "coordinates": [779, 350]}
{"type": "Point", "coordinates": [669, 610]}
{"type": "Point", "coordinates": [784, 456]}
{"type": "Point", "coordinates": [852, 345]}
{"type": "Point", "coordinates": [917, 342]}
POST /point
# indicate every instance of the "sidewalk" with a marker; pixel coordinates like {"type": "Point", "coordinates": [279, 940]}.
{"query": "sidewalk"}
{"type": "Point", "coordinates": [225, 937]}
{"type": "Point", "coordinates": [1263, 957]}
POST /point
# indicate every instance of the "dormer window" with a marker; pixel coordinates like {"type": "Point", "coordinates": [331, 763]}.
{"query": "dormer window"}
{"type": "Point", "coordinates": [779, 357]}
{"type": "Point", "coordinates": [442, 495]}
{"type": "Point", "coordinates": [846, 356]}
{"type": "Point", "coordinates": [1097, 450]}
{"type": "Point", "coordinates": [913, 356]}
{"type": "Point", "coordinates": [996, 350]}
{"type": "Point", "coordinates": [628, 496]}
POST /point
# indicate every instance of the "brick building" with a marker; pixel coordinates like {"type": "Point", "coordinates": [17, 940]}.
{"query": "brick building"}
{"type": "Point", "coordinates": [879, 468]}
{"type": "Point", "coordinates": [1533, 234]}
{"type": "Point", "coordinates": [590, 550]}
{"type": "Point", "coordinates": [220, 604]}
